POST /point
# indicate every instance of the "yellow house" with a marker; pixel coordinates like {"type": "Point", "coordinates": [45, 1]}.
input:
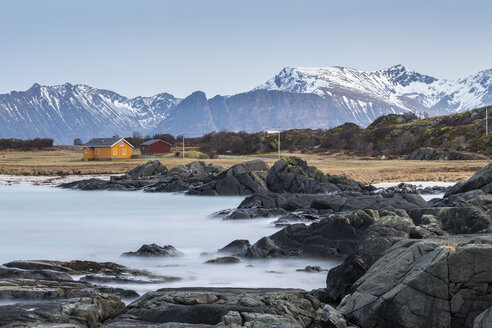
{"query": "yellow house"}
{"type": "Point", "coordinates": [107, 149]}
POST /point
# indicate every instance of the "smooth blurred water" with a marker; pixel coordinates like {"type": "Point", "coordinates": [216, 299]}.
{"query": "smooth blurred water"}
{"type": "Point", "coordinates": [41, 222]}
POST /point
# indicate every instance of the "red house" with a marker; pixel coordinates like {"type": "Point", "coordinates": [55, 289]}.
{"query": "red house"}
{"type": "Point", "coordinates": [155, 146]}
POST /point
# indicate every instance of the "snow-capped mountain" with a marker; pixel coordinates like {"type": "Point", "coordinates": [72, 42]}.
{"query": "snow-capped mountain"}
{"type": "Point", "coordinates": [67, 111]}
{"type": "Point", "coordinates": [300, 97]}
{"type": "Point", "coordinates": [397, 86]}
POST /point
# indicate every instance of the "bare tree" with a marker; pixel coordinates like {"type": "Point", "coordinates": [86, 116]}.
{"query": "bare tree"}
{"type": "Point", "coordinates": [77, 142]}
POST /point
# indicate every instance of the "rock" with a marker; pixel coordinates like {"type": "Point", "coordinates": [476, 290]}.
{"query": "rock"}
{"type": "Point", "coordinates": [224, 260]}
{"type": "Point", "coordinates": [293, 175]}
{"type": "Point", "coordinates": [310, 268]}
{"type": "Point", "coordinates": [251, 213]}
{"type": "Point", "coordinates": [204, 307]}
{"type": "Point", "coordinates": [330, 318]}
{"type": "Point", "coordinates": [154, 250]}
{"type": "Point", "coordinates": [331, 236]}
{"type": "Point", "coordinates": [428, 154]}
{"type": "Point", "coordinates": [235, 247]}
{"type": "Point", "coordinates": [374, 242]}
{"type": "Point", "coordinates": [75, 312]}
{"type": "Point", "coordinates": [438, 282]}
{"type": "Point", "coordinates": [341, 202]}
{"type": "Point", "coordinates": [481, 180]}
{"type": "Point", "coordinates": [151, 168]}
{"type": "Point", "coordinates": [484, 320]}
{"type": "Point", "coordinates": [241, 179]}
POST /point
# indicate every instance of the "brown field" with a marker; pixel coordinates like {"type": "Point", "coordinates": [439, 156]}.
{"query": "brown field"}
{"type": "Point", "coordinates": [66, 161]}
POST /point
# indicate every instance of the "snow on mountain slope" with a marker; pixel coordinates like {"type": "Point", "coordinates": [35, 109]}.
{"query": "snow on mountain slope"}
{"type": "Point", "coordinates": [66, 111]}
{"type": "Point", "coordinates": [396, 85]}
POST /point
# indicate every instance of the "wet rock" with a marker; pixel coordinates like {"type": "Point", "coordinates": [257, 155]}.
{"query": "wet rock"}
{"type": "Point", "coordinates": [310, 268]}
{"type": "Point", "coordinates": [331, 236]}
{"type": "Point", "coordinates": [438, 282]}
{"type": "Point", "coordinates": [224, 260]}
{"type": "Point", "coordinates": [251, 213]}
{"type": "Point", "coordinates": [75, 312]}
{"type": "Point", "coordinates": [341, 202]}
{"type": "Point", "coordinates": [235, 247]}
{"type": "Point", "coordinates": [198, 307]}
{"type": "Point", "coordinates": [155, 250]}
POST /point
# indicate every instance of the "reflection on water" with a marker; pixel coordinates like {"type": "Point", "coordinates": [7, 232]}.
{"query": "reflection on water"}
{"type": "Point", "coordinates": [40, 222]}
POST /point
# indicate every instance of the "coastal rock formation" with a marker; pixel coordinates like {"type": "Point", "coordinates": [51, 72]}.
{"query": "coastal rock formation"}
{"type": "Point", "coordinates": [223, 307]}
{"type": "Point", "coordinates": [290, 175]}
{"type": "Point", "coordinates": [87, 312]}
{"type": "Point", "coordinates": [241, 179]}
{"type": "Point", "coordinates": [155, 250]}
{"type": "Point", "coordinates": [437, 282]}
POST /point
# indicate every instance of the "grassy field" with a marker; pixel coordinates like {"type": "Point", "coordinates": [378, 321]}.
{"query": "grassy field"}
{"type": "Point", "coordinates": [66, 161]}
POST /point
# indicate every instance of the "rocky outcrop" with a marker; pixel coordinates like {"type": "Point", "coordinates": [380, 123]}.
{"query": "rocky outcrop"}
{"type": "Point", "coordinates": [342, 202]}
{"type": "Point", "coordinates": [87, 312]}
{"type": "Point", "coordinates": [224, 260]}
{"type": "Point", "coordinates": [149, 169]}
{"type": "Point", "coordinates": [293, 175]}
{"type": "Point", "coordinates": [481, 180]}
{"type": "Point", "coordinates": [438, 282]}
{"type": "Point", "coordinates": [222, 307]}
{"type": "Point", "coordinates": [153, 250]}
{"type": "Point", "coordinates": [235, 247]}
{"type": "Point", "coordinates": [241, 179]}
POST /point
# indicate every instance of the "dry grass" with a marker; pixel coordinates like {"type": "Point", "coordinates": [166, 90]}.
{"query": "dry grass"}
{"type": "Point", "coordinates": [65, 161]}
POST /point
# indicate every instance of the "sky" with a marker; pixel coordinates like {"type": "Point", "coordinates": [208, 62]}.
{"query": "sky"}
{"type": "Point", "coordinates": [145, 47]}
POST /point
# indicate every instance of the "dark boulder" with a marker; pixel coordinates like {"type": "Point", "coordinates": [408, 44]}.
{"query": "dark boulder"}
{"type": "Point", "coordinates": [149, 169]}
{"type": "Point", "coordinates": [482, 180]}
{"type": "Point", "coordinates": [241, 179]}
{"type": "Point", "coordinates": [226, 307]}
{"type": "Point", "coordinates": [154, 250]}
{"type": "Point", "coordinates": [70, 313]}
{"type": "Point", "coordinates": [378, 237]}
{"type": "Point", "coordinates": [224, 260]}
{"type": "Point", "coordinates": [438, 282]}
{"type": "Point", "coordinates": [428, 154]}
{"type": "Point", "coordinates": [235, 247]}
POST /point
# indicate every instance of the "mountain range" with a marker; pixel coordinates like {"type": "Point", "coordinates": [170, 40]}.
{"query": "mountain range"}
{"type": "Point", "coordinates": [302, 97]}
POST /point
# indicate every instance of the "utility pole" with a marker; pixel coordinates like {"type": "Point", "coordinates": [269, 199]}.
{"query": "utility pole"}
{"type": "Point", "coordinates": [183, 145]}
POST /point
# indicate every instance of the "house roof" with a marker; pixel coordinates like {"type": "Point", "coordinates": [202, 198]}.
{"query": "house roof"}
{"type": "Point", "coordinates": [105, 142]}
{"type": "Point", "coordinates": [149, 142]}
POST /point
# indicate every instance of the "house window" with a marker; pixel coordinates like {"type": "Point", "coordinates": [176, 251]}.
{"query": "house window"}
{"type": "Point", "coordinates": [121, 143]}
{"type": "Point", "coordinates": [97, 151]}
{"type": "Point", "coordinates": [85, 151]}
{"type": "Point", "coordinates": [124, 151]}
{"type": "Point", "coordinates": [115, 151]}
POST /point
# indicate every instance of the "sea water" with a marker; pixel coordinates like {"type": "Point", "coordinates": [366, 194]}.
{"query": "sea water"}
{"type": "Point", "coordinates": [45, 222]}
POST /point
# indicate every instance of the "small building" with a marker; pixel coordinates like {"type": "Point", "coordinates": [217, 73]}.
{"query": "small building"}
{"type": "Point", "coordinates": [155, 146]}
{"type": "Point", "coordinates": [107, 149]}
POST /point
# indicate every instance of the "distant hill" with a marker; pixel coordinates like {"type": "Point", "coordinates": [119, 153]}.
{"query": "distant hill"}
{"type": "Point", "coordinates": [455, 136]}
{"type": "Point", "coordinates": [313, 97]}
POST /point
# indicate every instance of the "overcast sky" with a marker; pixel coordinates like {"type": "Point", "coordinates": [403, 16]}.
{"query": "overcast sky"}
{"type": "Point", "coordinates": [229, 46]}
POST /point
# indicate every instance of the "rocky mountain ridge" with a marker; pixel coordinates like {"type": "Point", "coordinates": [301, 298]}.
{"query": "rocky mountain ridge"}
{"type": "Point", "coordinates": [295, 98]}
